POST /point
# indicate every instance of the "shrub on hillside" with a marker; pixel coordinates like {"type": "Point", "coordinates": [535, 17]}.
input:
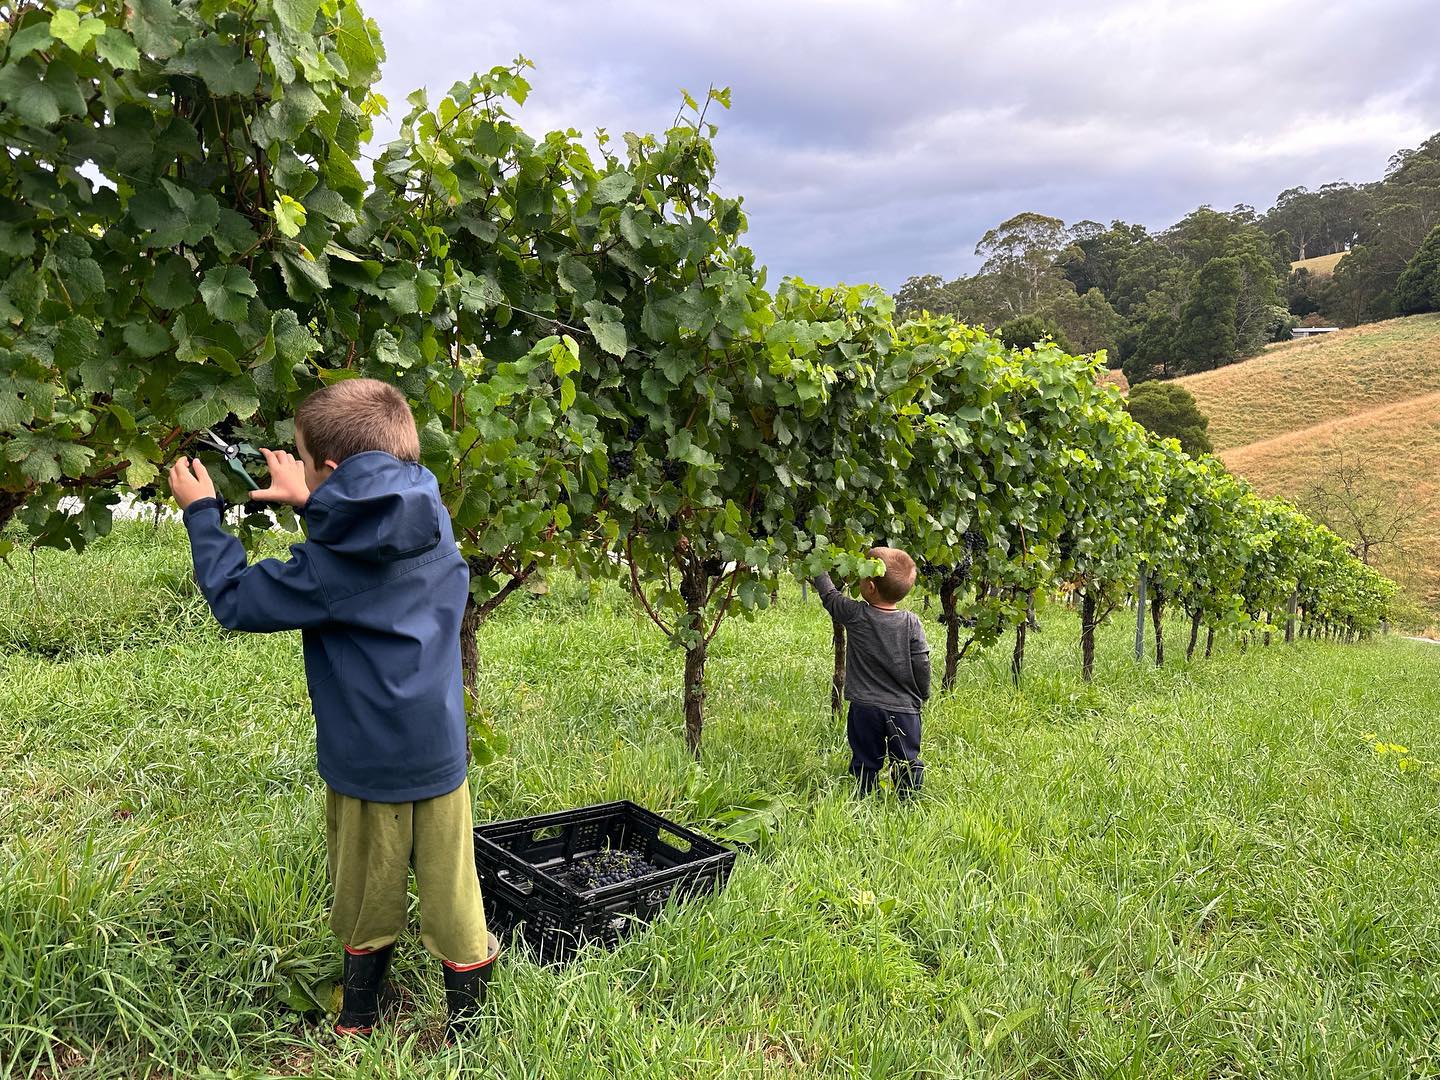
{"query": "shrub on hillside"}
{"type": "Point", "coordinates": [1419, 286]}
{"type": "Point", "coordinates": [1169, 410]}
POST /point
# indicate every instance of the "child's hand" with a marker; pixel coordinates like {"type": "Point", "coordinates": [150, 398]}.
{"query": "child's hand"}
{"type": "Point", "coordinates": [287, 479]}
{"type": "Point", "coordinates": [186, 486]}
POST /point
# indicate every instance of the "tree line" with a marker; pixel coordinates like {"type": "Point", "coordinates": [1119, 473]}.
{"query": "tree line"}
{"type": "Point", "coordinates": [601, 373]}
{"type": "Point", "coordinates": [1214, 287]}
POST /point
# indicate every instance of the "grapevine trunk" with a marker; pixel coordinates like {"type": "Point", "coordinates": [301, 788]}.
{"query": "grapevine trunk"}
{"type": "Point", "coordinates": [694, 696]}
{"type": "Point", "coordinates": [693, 589]}
{"type": "Point", "coordinates": [1017, 659]}
{"type": "Point", "coordinates": [1087, 636]}
{"type": "Point", "coordinates": [949, 618]}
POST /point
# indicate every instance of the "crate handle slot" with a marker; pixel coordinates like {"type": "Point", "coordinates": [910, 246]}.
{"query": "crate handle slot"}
{"type": "Point", "coordinates": [522, 885]}
{"type": "Point", "coordinates": [550, 832]}
{"type": "Point", "coordinates": [675, 840]}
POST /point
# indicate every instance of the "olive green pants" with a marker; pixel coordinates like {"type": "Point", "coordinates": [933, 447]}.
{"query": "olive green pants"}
{"type": "Point", "coordinates": [372, 847]}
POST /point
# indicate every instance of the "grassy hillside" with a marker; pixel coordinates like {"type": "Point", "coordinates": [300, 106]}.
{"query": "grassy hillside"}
{"type": "Point", "coordinates": [1298, 384]}
{"type": "Point", "coordinates": [1320, 265]}
{"type": "Point", "coordinates": [1188, 872]}
{"type": "Point", "coordinates": [1372, 391]}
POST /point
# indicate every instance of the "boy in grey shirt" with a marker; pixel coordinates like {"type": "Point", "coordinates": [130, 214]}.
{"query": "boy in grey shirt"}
{"type": "Point", "coordinates": [887, 673]}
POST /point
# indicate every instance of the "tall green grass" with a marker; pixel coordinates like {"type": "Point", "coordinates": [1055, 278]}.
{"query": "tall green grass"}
{"type": "Point", "coordinates": [1202, 872]}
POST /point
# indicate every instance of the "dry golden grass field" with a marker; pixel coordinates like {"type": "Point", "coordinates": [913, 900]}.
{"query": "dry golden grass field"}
{"type": "Point", "coordinates": [1373, 392]}
{"type": "Point", "coordinates": [1320, 265]}
{"type": "Point", "coordinates": [1298, 384]}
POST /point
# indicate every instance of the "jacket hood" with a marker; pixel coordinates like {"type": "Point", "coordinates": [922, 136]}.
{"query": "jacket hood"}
{"type": "Point", "coordinates": [377, 508]}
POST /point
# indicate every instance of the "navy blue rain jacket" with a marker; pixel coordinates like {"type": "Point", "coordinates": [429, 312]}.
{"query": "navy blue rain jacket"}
{"type": "Point", "coordinates": [377, 590]}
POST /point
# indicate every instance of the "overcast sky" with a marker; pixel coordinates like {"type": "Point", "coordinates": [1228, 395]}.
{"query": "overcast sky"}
{"type": "Point", "coordinates": [873, 140]}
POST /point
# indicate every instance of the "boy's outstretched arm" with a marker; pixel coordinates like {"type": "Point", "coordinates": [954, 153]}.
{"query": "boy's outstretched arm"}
{"type": "Point", "coordinates": [920, 660]}
{"type": "Point", "coordinates": [269, 596]}
{"type": "Point", "coordinates": [841, 608]}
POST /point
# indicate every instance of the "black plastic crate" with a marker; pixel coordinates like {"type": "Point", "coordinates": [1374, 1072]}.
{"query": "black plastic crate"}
{"type": "Point", "coordinates": [527, 869]}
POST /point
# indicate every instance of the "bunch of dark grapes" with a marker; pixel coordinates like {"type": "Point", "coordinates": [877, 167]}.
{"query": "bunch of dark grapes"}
{"type": "Point", "coordinates": [146, 493]}
{"type": "Point", "coordinates": [636, 431]}
{"type": "Point", "coordinates": [973, 540]}
{"type": "Point", "coordinates": [620, 462]}
{"type": "Point", "coordinates": [673, 470]}
{"type": "Point", "coordinates": [714, 567]}
{"type": "Point", "coordinates": [609, 867]}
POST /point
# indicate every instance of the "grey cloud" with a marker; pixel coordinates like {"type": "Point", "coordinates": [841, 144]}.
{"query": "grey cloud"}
{"type": "Point", "coordinates": [874, 140]}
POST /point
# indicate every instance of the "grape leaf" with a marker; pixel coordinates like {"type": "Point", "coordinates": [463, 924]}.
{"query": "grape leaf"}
{"type": "Point", "coordinates": [77, 33]}
{"type": "Point", "coordinates": [226, 291]}
{"type": "Point", "coordinates": [32, 38]}
{"type": "Point", "coordinates": [576, 278]}
{"type": "Point", "coordinates": [117, 49]}
{"type": "Point", "coordinates": [297, 16]}
{"type": "Point", "coordinates": [223, 67]}
{"type": "Point", "coordinates": [614, 188]}
{"type": "Point", "coordinates": [22, 90]}
{"type": "Point", "coordinates": [606, 323]}
{"type": "Point", "coordinates": [289, 216]}
{"type": "Point", "coordinates": [358, 46]}
{"type": "Point", "coordinates": [147, 339]}
{"type": "Point", "coordinates": [172, 285]}
{"type": "Point", "coordinates": [157, 27]}
{"type": "Point", "coordinates": [293, 342]}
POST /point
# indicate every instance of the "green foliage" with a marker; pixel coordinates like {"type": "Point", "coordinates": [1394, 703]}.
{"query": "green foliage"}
{"type": "Point", "coordinates": [1028, 331]}
{"type": "Point", "coordinates": [1086, 320]}
{"type": "Point", "coordinates": [1169, 411]}
{"type": "Point", "coordinates": [1418, 288]}
{"type": "Point", "coordinates": [601, 375]}
{"type": "Point", "coordinates": [1207, 337]}
{"type": "Point", "coordinates": [180, 279]}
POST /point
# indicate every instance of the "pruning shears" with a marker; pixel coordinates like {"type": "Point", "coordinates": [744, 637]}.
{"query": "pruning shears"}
{"type": "Point", "coordinates": [232, 453]}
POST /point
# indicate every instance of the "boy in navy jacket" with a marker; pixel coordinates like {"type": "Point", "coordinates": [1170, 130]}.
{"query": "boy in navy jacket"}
{"type": "Point", "coordinates": [377, 590]}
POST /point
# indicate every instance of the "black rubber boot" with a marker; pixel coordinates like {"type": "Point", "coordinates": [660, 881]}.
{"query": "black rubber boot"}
{"type": "Point", "coordinates": [465, 990]}
{"type": "Point", "coordinates": [364, 976]}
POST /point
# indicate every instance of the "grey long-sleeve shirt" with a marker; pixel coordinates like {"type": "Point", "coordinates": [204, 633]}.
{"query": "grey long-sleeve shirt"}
{"type": "Point", "coordinates": [887, 659]}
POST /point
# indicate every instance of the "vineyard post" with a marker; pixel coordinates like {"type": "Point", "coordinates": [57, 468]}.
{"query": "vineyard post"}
{"type": "Point", "coordinates": [1290, 617]}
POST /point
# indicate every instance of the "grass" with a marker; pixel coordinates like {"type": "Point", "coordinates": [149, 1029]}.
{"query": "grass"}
{"type": "Point", "coordinates": [1302, 383]}
{"type": "Point", "coordinates": [1320, 265]}
{"type": "Point", "coordinates": [1202, 872]}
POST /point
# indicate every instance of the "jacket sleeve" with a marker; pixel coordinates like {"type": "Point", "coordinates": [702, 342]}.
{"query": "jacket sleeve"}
{"type": "Point", "coordinates": [269, 596]}
{"type": "Point", "coordinates": [841, 608]}
{"type": "Point", "coordinates": [920, 658]}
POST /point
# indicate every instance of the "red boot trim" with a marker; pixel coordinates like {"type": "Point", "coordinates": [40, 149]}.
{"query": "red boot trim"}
{"type": "Point", "coordinates": [470, 967]}
{"type": "Point", "coordinates": [479, 964]}
{"type": "Point", "coordinates": [341, 1030]}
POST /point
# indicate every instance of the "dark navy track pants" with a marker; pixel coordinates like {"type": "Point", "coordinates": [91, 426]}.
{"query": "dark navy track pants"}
{"type": "Point", "coordinates": [877, 733]}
